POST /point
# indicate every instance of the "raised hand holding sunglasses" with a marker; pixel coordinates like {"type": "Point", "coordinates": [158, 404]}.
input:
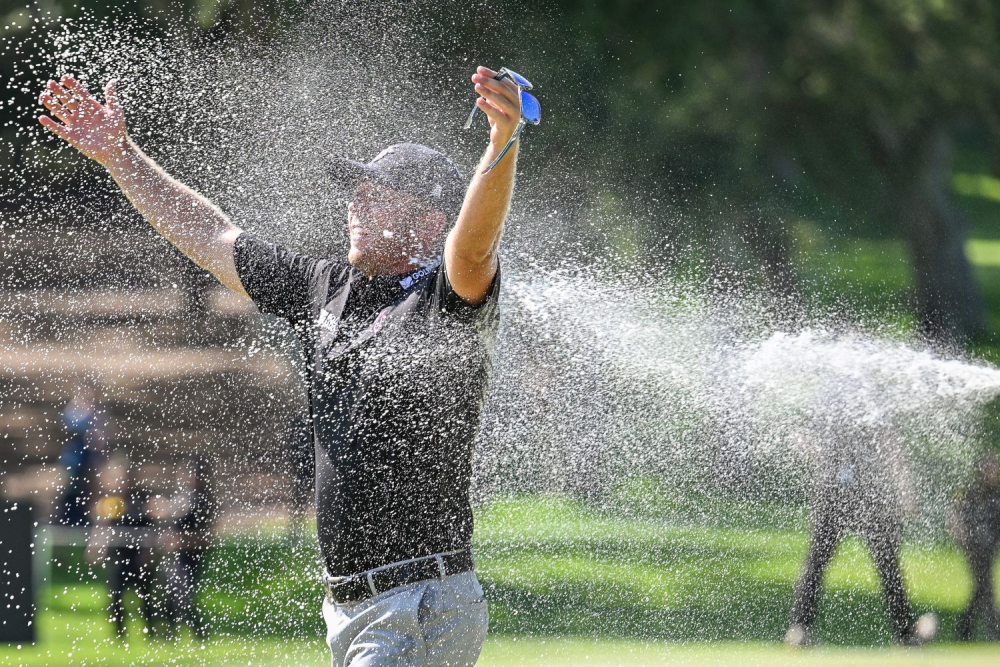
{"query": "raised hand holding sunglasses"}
{"type": "Point", "coordinates": [508, 105]}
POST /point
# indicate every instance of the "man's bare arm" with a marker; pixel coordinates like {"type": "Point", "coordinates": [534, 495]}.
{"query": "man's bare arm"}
{"type": "Point", "coordinates": [185, 218]}
{"type": "Point", "coordinates": [471, 248]}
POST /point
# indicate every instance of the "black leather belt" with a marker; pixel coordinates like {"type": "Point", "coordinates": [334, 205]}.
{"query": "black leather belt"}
{"type": "Point", "coordinates": [358, 587]}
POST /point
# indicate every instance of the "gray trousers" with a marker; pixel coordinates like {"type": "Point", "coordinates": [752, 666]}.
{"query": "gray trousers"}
{"type": "Point", "coordinates": [437, 622]}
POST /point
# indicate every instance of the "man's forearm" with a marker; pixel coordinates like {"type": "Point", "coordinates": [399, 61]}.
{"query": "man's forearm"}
{"type": "Point", "coordinates": [487, 202]}
{"type": "Point", "coordinates": [185, 218]}
{"type": "Point", "coordinates": [470, 252]}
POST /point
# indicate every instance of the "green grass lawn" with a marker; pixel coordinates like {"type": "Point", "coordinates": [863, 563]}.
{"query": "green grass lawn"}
{"type": "Point", "coordinates": [567, 585]}
{"type": "Point", "coordinates": [553, 567]}
{"type": "Point", "coordinates": [502, 652]}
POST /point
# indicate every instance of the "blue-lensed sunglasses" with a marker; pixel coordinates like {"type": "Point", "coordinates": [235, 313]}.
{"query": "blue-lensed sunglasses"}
{"type": "Point", "coordinates": [531, 110]}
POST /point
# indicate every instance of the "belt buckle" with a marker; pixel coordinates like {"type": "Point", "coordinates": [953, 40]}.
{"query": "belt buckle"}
{"type": "Point", "coordinates": [328, 584]}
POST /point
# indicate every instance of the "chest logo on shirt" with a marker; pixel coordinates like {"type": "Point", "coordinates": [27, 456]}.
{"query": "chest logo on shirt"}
{"type": "Point", "coordinates": [413, 278]}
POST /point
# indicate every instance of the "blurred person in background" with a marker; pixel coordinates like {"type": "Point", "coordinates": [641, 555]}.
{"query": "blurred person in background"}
{"type": "Point", "coordinates": [126, 538]}
{"type": "Point", "coordinates": [195, 513]}
{"type": "Point", "coordinates": [975, 522]}
{"type": "Point", "coordinates": [862, 487]}
{"type": "Point", "coordinates": [82, 456]}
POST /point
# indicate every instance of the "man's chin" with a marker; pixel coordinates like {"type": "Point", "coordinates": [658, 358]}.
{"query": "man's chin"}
{"type": "Point", "coordinates": [361, 261]}
{"type": "Point", "coordinates": [380, 263]}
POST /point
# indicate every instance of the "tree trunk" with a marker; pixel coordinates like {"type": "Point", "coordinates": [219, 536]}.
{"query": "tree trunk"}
{"type": "Point", "coordinates": [949, 303]}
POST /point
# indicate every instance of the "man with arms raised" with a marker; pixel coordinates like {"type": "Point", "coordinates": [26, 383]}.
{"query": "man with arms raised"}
{"type": "Point", "coordinates": [400, 337]}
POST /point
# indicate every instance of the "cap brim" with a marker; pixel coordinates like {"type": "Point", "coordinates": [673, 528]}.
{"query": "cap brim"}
{"type": "Point", "coordinates": [349, 173]}
{"type": "Point", "coordinates": [346, 175]}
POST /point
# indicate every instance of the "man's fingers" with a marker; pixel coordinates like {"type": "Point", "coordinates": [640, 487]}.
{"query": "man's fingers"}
{"type": "Point", "coordinates": [495, 114]}
{"type": "Point", "coordinates": [498, 93]}
{"type": "Point", "coordinates": [59, 92]}
{"type": "Point", "coordinates": [111, 95]}
{"type": "Point", "coordinates": [486, 74]}
{"type": "Point", "coordinates": [75, 87]}
{"type": "Point", "coordinates": [69, 92]}
{"type": "Point", "coordinates": [54, 106]}
{"type": "Point", "coordinates": [508, 83]}
{"type": "Point", "coordinates": [505, 87]}
{"type": "Point", "coordinates": [54, 127]}
{"type": "Point", "coordinates": [499, 100]}
{"type": "Point", "coordinates": [485, 71]}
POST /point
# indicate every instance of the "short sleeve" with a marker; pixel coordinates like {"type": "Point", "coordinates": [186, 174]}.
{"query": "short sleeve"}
{"type": "Point", "coordinates": [280, 282]}
{"type": "Point", "coordinates": [451, 304]}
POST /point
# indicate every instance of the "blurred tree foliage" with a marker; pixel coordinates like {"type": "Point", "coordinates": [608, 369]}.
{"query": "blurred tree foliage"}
{"type": "Point", "coordinates": [725, 107]}
{"type": "Point", "coordinates": [863, 98]}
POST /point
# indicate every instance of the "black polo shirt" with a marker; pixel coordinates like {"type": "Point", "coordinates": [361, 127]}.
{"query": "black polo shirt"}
{"type": "Point", "coordinates": [399, 367]}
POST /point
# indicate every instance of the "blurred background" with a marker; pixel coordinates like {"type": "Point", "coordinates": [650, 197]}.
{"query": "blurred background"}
{"type": "Point", "coordinates": [836, 160]}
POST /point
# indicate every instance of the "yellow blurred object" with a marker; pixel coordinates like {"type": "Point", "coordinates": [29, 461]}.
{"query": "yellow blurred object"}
{"type": "Point", "coordinates": [110, 508]}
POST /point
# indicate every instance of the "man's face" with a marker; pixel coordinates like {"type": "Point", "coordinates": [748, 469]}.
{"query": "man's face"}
{"type": "Point", "coordinates": [389, 228]}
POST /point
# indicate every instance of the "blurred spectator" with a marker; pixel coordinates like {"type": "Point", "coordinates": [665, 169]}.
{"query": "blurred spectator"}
{"type": "Point", "coordinates": [189, 539]}
{"type": "Point", "coordinates": [82, 456]}
{"type": "Point", "coordinates": [975, 523]}
{"type": "Point", "coordinates": [862, 486]}
{"type": "Point", "coordinates": [127, 537]}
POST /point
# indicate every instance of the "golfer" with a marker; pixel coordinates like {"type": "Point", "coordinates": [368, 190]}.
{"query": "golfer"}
{"type": "Point", "coordinates": [862, 486]}
{"type": "Point", "coordinates": [400, 337]}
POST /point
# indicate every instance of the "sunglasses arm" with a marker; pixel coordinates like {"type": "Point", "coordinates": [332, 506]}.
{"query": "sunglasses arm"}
{"type": "Point", "coordinates": [513, 137]}
{"type": "Point", "coordinates": [472, 116]}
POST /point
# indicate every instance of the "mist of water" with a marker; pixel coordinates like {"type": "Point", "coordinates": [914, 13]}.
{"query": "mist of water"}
{"type": "Point", "coordinates": [606, 378]}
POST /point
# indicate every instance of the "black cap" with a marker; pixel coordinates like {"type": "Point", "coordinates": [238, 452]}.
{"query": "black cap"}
{"type": "Point", "coordinates": [411, 168]}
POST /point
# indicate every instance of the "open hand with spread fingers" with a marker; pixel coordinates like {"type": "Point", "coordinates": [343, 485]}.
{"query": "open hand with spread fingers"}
{"type": "Point", "coordinates": [96, 130]}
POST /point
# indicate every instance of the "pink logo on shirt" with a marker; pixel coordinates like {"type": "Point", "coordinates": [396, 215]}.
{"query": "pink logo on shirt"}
{"type": "Point", "coordinates": [380, 321]}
